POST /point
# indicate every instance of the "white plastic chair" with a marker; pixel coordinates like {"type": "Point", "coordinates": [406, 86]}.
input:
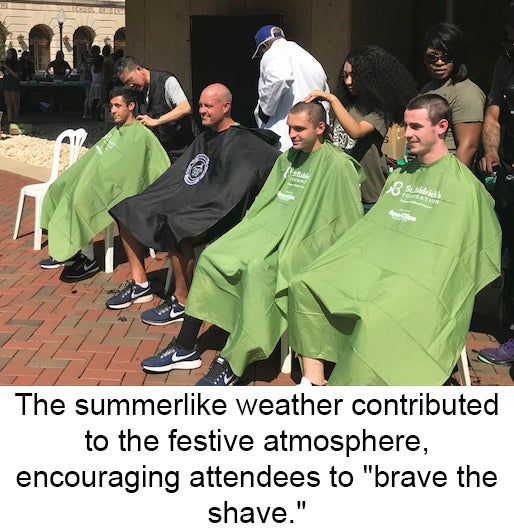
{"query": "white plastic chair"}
{"type": "Point", "coordinates": [169, 275]}
{"type": "Point", "coordinates": [38, 191]}
{"type": "Point", "coordinates": [109, 248]}
{"type": "Point", "coordinates": [463, 368]}
{"type": "Point", "coordinates": [286, 355]}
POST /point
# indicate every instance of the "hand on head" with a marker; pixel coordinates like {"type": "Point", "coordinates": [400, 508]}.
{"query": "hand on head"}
{"type": "Point", "coordinates": [317, 94]}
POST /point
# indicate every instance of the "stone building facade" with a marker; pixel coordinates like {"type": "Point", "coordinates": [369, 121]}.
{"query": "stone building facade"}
{"type": "Point", "coordinates": [35, 26]}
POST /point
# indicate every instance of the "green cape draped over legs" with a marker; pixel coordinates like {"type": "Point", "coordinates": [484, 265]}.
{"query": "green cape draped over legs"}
{"type": "Point", "coordinates": [241, 281]}
{"type": "Point", "coordinates": [390, 303]}
{"type": "Point", "coordinates": [76, 206]}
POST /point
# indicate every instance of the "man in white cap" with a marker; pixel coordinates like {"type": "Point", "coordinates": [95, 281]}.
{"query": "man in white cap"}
{"type": "Point", "coordinates": [287, 74]}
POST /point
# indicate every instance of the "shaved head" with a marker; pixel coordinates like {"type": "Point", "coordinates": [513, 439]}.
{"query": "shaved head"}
{"type": "Point", "coordinates": [314, 110]}
{"type": "Point", "coordinates": [217, 91]}
{"type": "Point", "coordinates": [436, 106]}
{"type": "Point", "coordinates": [215, 107]}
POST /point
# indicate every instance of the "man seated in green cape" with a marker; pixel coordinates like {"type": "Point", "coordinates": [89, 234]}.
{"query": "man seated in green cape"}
{"type": "Point", "coordinates": [309, 200]}
{"type": "Point", "coordinates": [390, 303]}
{"type": "Point", "coordinates": [76, 206]}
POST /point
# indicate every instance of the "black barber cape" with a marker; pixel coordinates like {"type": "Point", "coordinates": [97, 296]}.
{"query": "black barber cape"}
{"type": "Point", "coordinates": [212, 177]}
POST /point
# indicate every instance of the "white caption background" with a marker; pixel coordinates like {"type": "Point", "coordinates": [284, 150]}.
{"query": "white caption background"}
{"type": "Point", "coordinates": [464, 478]}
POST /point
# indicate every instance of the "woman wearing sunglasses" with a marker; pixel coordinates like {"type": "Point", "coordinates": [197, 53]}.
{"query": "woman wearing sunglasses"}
{"type": "Point", "coordinates": [445, 57]}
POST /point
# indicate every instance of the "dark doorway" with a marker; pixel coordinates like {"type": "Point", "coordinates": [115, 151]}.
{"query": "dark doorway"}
{"type": "Point", "coordinates": [221, 51]}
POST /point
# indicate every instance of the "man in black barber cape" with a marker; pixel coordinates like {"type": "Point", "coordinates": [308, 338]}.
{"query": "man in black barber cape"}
{"type": "Point", "coordinates": [199, 198]}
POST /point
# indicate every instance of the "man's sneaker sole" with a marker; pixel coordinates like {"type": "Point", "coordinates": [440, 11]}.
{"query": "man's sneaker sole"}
{"type": "Point", "coordinates": [171, 321]}
{"type": "Point", "coordinates": [201, 382]}
{"type": "Point", "coordinates": [181, 365]}
{"type": "Point", "coordinates": [50, 263]}
{"type": "Point", "coordinates": [85, 276]}
{"type": "Point", "coordinates": [56, 265]}
{"type": "Point", "coordinates": [138, 300]}
{"type": "Point", "coordinates": [495, 363]}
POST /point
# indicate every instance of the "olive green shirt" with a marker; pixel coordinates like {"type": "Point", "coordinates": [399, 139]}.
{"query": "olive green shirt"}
{"type": "Point", "coordinates": [466, 100]}
{"type": "Point", "coordinates": [367, 151]}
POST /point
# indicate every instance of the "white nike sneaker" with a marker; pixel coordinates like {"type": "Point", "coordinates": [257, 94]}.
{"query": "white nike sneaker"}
{"type": "Point", "coordinates": [306, 382]}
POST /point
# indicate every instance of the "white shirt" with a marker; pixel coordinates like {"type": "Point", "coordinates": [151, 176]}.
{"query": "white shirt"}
{"type": "Point", "coordinates": [288, 73]}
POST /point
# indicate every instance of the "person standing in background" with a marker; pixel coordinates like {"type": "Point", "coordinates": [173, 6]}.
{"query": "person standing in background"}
{"type": "Point", "coordinates": [27, 68]}
{"type": "Point", "coordinates": [97, 94]}
{"type": "Point", "coordinates": [108, 68]}
{"type": "Point", "coordinates": [164, 106]}
{"type": "Point", "coordinates": [287, 74]}
{"type": "Point", "coordinates": [59, 67]}
{"type": "Point", "coordinates": [498, 160]}
{"type": "Point", "coordinates": [11, 70]}
{"type": "Point", "coordinates": [446, 54]}
{"type": "Point", "coordinates": [372, 92]}
{"type": "Point", "coordinates": [85, 76]}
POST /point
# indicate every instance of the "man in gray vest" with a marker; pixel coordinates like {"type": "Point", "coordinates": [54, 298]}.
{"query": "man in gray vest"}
{"type": "Point", "coordinates": [163, 107]}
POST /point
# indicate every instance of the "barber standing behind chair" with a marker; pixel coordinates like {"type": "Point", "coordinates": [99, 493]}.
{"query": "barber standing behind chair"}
{"type": "Point", "coordinates": [164, 107]}
{"type": "Point", "coordinates": [287, 74]}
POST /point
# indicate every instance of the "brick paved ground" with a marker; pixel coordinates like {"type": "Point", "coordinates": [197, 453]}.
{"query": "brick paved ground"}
{"type": "Point", "coordinates": [53, 333]}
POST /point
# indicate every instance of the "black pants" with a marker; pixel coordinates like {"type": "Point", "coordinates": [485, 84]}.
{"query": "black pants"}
{"type": "Point", "coordinates": [504, 205]}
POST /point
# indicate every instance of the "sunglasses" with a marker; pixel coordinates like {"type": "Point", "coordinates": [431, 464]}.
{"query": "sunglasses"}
{"type": "Point", "coordinates": [433, 58]}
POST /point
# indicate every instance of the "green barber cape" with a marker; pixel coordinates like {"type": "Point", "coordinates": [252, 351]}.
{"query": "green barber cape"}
{"type": "Point", "coordinates": [241, 281]}
{"type": "Point", "coordinates": [390, 303]}
{"type": "Point", "coordinates": [76, 206]}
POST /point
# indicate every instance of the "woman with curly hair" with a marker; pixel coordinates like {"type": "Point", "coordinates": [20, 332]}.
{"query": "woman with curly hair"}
{"type": "Point", "coordinates": [373, 90]}
{"type": "Point", "coordinates": [446, 56]}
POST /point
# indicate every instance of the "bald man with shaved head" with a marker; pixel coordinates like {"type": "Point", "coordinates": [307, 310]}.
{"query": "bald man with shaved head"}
{"type": "Point", "coordinates": [199, 198]}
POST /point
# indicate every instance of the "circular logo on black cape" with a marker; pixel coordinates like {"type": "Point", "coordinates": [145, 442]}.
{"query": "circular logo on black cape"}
{"type": "Point", "coordinates": [196, 169]}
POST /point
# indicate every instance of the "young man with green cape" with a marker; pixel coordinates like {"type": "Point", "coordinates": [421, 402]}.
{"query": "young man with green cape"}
{"type": "Point", "coordinates": [390, 303]}
{"type": "Point", "coordinates": [76, 206]}
{"type": "Point", "coordinates": [310, 199]}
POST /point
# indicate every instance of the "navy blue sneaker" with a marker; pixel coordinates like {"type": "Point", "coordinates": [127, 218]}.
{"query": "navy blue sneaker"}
{"type": "Point", "coordinates": [173, 357]}
{"type": "Point", "coordinates": [219, 374]}
{"type": "Point", "coordinates": [51, 263]}
{"type": "Point", "coordinates": [132, 293]}
{"type": "Point", "coordinates": [171, 310]}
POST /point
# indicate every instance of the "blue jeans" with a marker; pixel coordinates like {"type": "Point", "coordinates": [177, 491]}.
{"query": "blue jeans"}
{"type": "Point", "coordinates": [367, 206]}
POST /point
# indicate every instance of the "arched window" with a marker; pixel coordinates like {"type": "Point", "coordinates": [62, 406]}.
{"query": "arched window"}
{"type": "Point", "coordinates": [82, 41]}
{"type": "Point", "coordinates": [39, 45]}
{"type": "Point", "coordinates": [119, 39]}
